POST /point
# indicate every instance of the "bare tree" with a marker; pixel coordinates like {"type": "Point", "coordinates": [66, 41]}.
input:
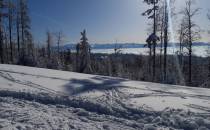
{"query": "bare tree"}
{"type": "Point", "coordinates": [208, 16]}
{"type": "Point", "coordinates": [1, 38]}
{"type": "Point", "coordinates": [192, 31]}
{"type": "Point", "coordinates": [60, 37]}
{"type": "Point", "coordinates": [49, 44]}
{"type": "Point", "coordinates": [6, 46]}
{"type": "Point", "coordinates": [160, 30]}
{"type": "Point", "coordinates": [26, 36]}
{"type": "Point", "coordinates": [165, 41]}
{"type": "Point", "coordinates": [3, 5]}
{"type": "Point", "coordinates": [11, 14]}
{"type": "Point", "coordinates": [18, 26]}
{"type": "Point", "coordinates": [182, 38]}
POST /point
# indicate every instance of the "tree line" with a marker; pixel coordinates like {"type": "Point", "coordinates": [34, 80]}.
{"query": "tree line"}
{"type": "Point", "coordinates": [16, 41]}
{"type": "Point", "coordinates": [161, 12]}
{"type": "Point", "coordinates": [17, 46]}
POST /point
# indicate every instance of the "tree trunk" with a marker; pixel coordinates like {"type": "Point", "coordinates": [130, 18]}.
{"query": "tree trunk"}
{"type": "Point", "coordinates": [154, 44]}
{"type": "Point", "coordinates": [18, 34]}
{"type": "Point", "coordinates": [190, 66]}
{"type": "Point", "coordinates": [165, 44]}
{"type": "Point", "coordinates": [190, 46]}
{"type": "Point", "coordinates": [10, 33]}
{"type": "Point", "coordinates": [1, 42]}
{"type": "Point", "coordinates": [150, 59]}
{"type": "Point", "coordinates": [23, 35]}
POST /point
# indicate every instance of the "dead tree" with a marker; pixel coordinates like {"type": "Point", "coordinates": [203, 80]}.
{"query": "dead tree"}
{"type": "Point", "coordinates": [193, 32]}
{"type": "Point", "coordinates": [18, 26]}
{"type": "Point", "coordinates": [165, 41]}
{"type": "Point", "coordinates": [160, 30]}
{"type": "Point", "coordinates": [182, 37]}
{"type": "Point", "coordinates": [60, 37]}
{"type": "Point", "coordinates": [208, 16]}
{"type": "Point", "coordinates": [49, 44]}
{"type": "Point", "coordinates": [25, 28]}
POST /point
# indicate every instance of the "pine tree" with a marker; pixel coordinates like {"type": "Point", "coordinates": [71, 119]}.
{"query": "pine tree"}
{"type": "Point", "coordinates": [83, 53]}
{"type": "Point", "coordinates": [153, 38]}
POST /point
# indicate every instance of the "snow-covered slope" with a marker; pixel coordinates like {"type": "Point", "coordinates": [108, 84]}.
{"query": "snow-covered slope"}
{"type": "Point", "coordinates": [35, 98]}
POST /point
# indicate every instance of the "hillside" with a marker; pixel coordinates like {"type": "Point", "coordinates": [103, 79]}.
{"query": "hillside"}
{"type": "Point", "coordinates": [36, 98]}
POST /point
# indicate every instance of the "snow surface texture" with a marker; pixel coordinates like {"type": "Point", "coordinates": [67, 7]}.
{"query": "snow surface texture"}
{"type": "Point", "coordinates": [35, 98]}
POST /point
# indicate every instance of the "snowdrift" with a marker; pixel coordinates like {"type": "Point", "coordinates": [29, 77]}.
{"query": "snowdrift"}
{"type": "Point", "coordinates": [36, 98]}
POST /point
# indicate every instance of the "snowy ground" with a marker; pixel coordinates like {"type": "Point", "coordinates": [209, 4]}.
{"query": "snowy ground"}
{"type": "Point", "coordinates": [34, 98]}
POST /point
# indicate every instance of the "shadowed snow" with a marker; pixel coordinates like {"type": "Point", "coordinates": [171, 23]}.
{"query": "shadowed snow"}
{"type": "Point", "coordinates": [98, 101]}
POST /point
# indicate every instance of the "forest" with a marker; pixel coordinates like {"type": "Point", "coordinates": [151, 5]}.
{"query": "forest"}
{"type": "Point", "coordinates": [17, 46]}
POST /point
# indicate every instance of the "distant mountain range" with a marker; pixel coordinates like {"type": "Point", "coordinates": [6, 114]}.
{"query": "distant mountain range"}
{"type": "Point", "coordinates": [125, 45]}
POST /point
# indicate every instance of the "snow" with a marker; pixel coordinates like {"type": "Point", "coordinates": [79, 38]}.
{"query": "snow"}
{"type": "Point", "coordinates": [201, 51]}
{"type": "Point", "coordinates": [37, 98]}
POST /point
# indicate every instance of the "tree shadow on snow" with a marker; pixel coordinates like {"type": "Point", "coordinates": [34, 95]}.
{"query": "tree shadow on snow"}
{"type": "Point", "coordinates": [100, 83]}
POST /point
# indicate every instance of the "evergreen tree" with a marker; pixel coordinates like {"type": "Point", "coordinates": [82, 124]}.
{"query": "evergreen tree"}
{"type": "Point", "coordinates": [83, 53]}
{"type": "Point", "coordinates": [153, 38]}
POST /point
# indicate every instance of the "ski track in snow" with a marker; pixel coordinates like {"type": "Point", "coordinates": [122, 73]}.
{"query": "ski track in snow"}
{"type": "Point", "coordinates": [101, 103]}
{"type": "Point", "coordinates": [6, 75]}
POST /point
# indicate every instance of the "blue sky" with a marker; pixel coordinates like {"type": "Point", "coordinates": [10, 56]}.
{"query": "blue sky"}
{"type": "Point", "coordinates": [105, 20]}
